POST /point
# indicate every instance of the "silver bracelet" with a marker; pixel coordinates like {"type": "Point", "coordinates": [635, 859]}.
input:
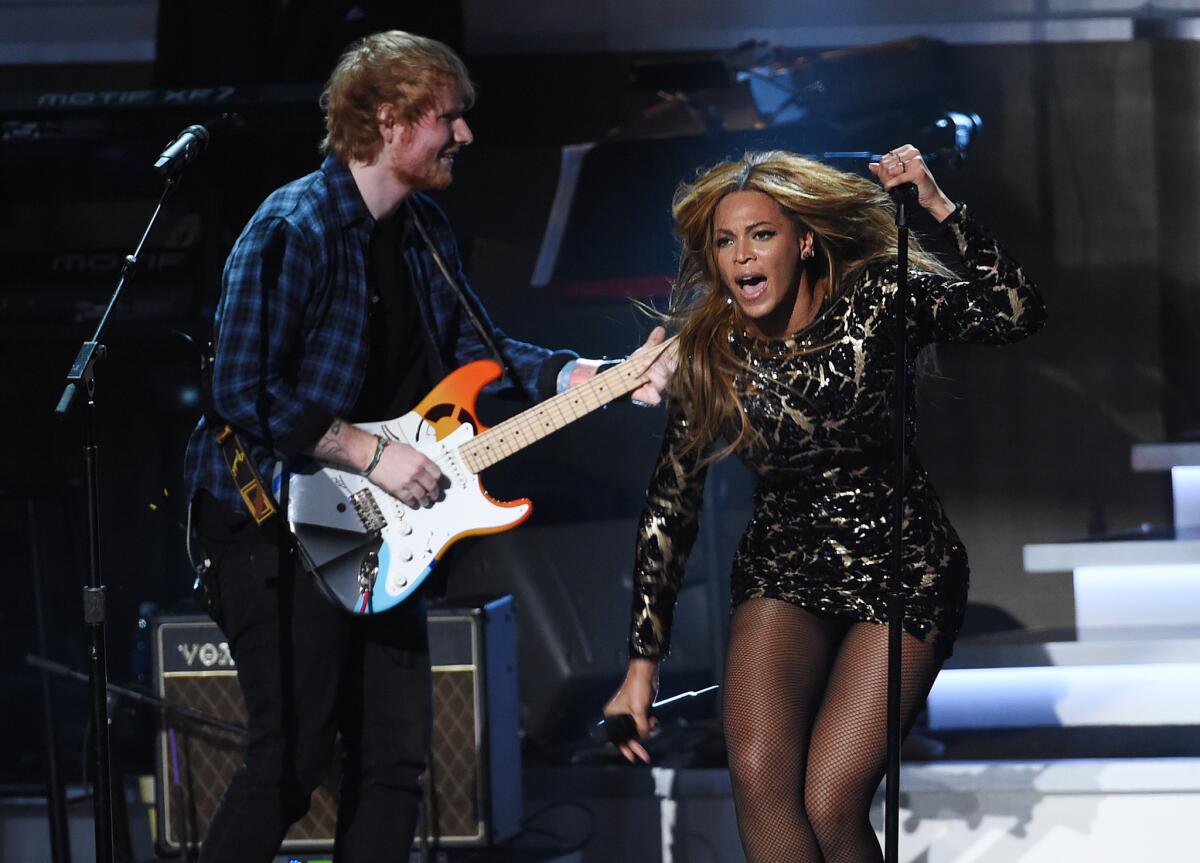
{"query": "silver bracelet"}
{"type": "Point", "coordinates": [380, 445]}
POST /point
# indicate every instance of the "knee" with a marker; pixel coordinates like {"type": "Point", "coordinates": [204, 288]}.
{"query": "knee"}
{"type": "Point", "coordinates": [294, 802]}
{"type": "Point", "coordinates": [762, 772]}
{"type": "Point", "coordinates": [290, 776]}
{"type": "Point", "coordinates": [394, 774]}
{"type": "Point", "coordinates": [296, 787]}
{"type": "Point", "coordinates": [835, 809]}
{"type": "Point", "coordinates": [823, 808]}
{"type": "Point", "coordinates": [392, 759]}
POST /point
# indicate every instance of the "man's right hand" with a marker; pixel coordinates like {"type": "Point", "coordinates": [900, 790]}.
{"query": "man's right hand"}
{"type": "Point", "coordinates": [401, 471]}
{"type": "Point", "coordinates": [407, 474]}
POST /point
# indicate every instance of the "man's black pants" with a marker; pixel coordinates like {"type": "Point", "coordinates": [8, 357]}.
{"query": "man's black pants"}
{"type": "Point", "coordinates": [308, 671]}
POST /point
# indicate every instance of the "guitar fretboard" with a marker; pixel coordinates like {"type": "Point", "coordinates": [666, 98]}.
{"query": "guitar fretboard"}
{"type": "Point", "coordinates": [518, 432]}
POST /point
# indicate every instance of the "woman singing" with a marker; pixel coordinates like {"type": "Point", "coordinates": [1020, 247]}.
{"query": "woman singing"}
{"type": "Point", "coordinates": [785, 301]}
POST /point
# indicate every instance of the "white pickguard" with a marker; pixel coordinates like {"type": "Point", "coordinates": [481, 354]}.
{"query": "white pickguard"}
{"type": "Point", "coordinates": [338, 547]}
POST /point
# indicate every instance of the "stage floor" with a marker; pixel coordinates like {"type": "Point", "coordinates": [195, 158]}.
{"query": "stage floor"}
{"type": "Point", "coordinates": [1015, 811]}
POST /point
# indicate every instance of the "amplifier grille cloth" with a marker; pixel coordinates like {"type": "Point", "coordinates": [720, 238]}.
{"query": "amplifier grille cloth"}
{"type": "Point", "coordinates": [208, 757]}
{"type": "Point", "coordinates": [455, 755]}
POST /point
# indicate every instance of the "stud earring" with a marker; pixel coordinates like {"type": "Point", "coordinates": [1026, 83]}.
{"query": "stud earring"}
{"type": "Point", "coordinates": [806, 254]}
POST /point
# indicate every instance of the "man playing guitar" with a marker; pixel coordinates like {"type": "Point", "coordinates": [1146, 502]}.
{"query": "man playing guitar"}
{"type": "Point", "coordinates": [343, 301]}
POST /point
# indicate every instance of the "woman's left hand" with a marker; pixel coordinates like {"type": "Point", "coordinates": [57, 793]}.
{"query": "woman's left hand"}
{"type": "Point", "coordinates": [906, 165]}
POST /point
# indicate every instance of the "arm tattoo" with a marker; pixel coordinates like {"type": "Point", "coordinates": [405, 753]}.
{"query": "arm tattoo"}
{"type": "Point", "coordinates": [330, 448]}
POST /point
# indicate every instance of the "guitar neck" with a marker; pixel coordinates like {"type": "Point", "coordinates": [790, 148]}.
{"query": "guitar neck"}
{"type": "Point", "coordinates": [544, 418]}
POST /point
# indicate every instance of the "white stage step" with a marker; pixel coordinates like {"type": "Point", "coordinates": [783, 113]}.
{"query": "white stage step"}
{"type": "Point", "coordinates": [1128, 681]}
{"type": "Point", "coordinates": [1183, 461]}
{"type": "Point", "coordinates": [1134, 649]}
{"type": "Point", "coordinates": [1050, 811]}
{"type": "Point", "coordinates": [1050, 696]}
{"type": "Point", "coordinates": [1163, 456]}
{"type": "Point", "coordinates": [1156, 591]}
{"type": "Point", "coordinates": [1182, 548]}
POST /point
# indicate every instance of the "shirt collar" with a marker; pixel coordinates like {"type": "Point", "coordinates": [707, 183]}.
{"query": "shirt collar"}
{"type": "Point", "coordinates": [349, 201]}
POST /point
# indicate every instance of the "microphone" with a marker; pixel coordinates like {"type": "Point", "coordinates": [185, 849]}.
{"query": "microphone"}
{"type": "Point", "coordinates": [187, 146]}
{"type": "Point", "coordinates": [950, 135]}
{"type": "Point", "coordinates": [621, 727]}
{"type": "Point", "coordinates": [904, 194]}
{"type": "Point", "coordinates": [966, 128]}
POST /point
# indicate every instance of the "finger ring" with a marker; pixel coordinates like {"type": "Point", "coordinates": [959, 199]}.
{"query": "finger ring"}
{"type": "Point", "coordinates": [901, 165]}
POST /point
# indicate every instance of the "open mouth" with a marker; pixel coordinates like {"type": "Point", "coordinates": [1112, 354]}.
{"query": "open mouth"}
{"type": "Point", "coordinates": [751, 285]}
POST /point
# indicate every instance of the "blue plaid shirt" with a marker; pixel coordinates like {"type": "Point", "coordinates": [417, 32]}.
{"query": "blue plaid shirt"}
{"type": "Point", "coordinates": [291, 325]}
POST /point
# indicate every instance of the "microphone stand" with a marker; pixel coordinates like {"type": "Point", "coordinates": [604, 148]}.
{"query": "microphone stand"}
{"type": "Point", "coordinates": [903, 195]}
{"type": "Point", "coordinates": [166, 711]}
{"type": "Point", "coordinates": [56, 798]}
{"type": "Point", "coordinates": [82, 375]}
{"type": "Point", "coordinates": [162, 706]}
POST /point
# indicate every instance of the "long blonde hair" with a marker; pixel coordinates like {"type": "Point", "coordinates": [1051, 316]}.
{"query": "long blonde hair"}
{"type": "Point", "coordinates": [853, 223]}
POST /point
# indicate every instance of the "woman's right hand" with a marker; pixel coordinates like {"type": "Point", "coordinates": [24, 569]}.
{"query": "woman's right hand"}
{"type": "Point", "coordinates": [634, 697]}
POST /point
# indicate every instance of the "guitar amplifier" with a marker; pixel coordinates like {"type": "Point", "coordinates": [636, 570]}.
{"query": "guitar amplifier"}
{"type": "Point", "coordinates": [473, 780]}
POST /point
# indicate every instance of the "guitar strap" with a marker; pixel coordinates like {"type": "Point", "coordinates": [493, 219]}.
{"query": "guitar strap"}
{"type": "Point", "coordinates": [462, 298]}
{"type": "Point", "coordinates": [247, 478]}
{"type": "Point", "coordinates": [256, 494]}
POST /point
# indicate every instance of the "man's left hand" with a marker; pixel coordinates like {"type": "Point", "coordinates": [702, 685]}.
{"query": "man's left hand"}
{"type": "Point", "coordinates": [658, 373]}
{"type": "Point", "coordinates": [657, 364]}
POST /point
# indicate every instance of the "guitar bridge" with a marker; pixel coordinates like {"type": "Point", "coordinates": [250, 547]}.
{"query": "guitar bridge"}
{"type": "Point", "coordinates": [368, 511]}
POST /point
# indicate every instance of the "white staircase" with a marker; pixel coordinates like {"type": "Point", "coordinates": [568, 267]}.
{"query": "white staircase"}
{"type": "Point", "coordinates": [1135, 660]}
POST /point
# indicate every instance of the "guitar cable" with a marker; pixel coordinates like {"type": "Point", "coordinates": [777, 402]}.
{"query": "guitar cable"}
{"type": "Point", "coordinates": [204, 565]}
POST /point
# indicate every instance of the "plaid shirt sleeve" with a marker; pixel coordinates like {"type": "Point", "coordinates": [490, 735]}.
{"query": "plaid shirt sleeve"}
{"type": "Point", "coordinates": [269, 279]}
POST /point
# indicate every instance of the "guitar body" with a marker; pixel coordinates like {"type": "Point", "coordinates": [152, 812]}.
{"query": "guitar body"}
{"type": "Point", "coordinates": [370, 551]}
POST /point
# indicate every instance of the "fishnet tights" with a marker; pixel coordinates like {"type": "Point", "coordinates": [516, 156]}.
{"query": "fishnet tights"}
{"type": "Point", "coordinates": [806, 729]}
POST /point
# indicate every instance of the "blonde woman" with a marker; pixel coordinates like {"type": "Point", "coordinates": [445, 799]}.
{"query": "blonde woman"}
{"type": "Point", "coordinates": [785, 301]}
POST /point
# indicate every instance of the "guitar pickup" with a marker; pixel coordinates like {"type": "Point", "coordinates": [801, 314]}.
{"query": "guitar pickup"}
{"type": "Point", "coordinates": [368, 511]}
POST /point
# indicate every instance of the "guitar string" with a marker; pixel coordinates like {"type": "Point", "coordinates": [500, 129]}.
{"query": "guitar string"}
{"type": "Point", "coordinates": [564, 408]}
{"type": "Point", "coordinates": [593, 388]}
{"type": "Point", "coordinates": [477, 453]}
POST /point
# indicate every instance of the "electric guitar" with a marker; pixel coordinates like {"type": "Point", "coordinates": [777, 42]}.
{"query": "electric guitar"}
{"type": "Point", "coordinates": [369, 550]}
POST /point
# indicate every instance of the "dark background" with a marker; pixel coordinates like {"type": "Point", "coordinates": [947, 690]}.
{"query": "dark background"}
{"type": "Point", "coordinates": [1086, 169]}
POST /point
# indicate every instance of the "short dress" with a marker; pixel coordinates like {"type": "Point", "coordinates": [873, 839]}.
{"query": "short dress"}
{"type": "Point", "coordinates": [820, 534]}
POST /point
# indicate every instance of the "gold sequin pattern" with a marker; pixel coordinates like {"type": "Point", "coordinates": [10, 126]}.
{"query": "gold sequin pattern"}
{"type": "Point", "coordinates": [819, 535]}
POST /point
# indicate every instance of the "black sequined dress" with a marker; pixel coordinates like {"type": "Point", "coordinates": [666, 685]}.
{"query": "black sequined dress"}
{"type": "Point", "coordinates": [819, 536]}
